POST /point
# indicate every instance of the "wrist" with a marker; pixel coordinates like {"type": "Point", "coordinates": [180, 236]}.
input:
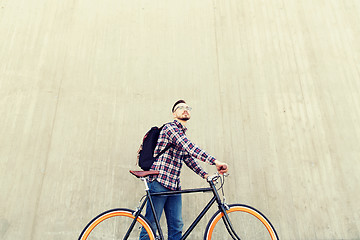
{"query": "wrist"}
{"type": "Point", "coordinates": [216, 162]}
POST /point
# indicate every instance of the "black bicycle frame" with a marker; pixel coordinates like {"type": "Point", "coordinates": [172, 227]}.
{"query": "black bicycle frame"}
{"type": "Point", "coordinates": [215, 198]}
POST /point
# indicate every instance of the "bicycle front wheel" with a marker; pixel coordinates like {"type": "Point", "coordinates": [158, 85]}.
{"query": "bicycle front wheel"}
{"type": "Point", "coordinates": [114, 224]}
{"type": "Point", "coordinates": [247, 223]}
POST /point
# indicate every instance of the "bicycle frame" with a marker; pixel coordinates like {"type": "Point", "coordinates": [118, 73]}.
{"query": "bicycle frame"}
{"type": "Point", "coordinates": [216, 198]}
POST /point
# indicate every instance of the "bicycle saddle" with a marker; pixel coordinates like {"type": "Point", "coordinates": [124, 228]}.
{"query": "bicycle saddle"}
{"type": "Point", "coordinates": [140, 174]}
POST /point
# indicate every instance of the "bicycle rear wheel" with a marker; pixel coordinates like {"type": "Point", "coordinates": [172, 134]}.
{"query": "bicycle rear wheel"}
{"type": "Point", "coordinates": [247, 222]}
{"type": "Point", "coordinates": [114, 224]}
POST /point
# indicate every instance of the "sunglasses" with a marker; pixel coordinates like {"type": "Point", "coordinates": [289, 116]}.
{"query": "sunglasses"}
{"type": "Point", "coordinates": [187, 108]}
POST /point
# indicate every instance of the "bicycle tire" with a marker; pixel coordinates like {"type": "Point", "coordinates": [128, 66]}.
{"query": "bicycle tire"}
{"type": "Point", "coordinates": [116, 228]}
{"type": "Point", "coordinates": [247, 222]}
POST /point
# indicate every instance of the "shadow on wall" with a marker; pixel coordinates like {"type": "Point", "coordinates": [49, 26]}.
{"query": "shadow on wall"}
{"type": "Point", "coordinates": [4, 226]}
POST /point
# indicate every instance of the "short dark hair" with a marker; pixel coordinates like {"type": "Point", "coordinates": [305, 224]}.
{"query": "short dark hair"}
{"type": "Point", "coordinates": [177, 102]}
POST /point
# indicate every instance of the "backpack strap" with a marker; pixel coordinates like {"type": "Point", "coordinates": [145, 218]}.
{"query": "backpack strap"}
{"type": "Point", "coordinates": [167, 147]}
{"type": "Point", "coordinates": [164, 150]}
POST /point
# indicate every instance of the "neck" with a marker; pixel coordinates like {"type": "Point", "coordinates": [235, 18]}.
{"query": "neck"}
{"type": "Point", "coordinates": [183, 122]}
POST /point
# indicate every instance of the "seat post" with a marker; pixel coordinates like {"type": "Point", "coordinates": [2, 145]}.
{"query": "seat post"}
{"type": "Point", "coordinates": [145, 182]}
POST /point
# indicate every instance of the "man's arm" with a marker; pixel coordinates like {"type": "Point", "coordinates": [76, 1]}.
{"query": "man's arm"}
{"type": "Point", "coordinates": [220, 167]}
{"type": "Point", "coordinates": [178, 138]}
{"type": "Point", "coordinates": [195, 166]}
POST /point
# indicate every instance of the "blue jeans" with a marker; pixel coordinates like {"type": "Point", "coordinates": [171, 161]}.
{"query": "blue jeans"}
{"type": "Point", "coordinates": [172, 206]}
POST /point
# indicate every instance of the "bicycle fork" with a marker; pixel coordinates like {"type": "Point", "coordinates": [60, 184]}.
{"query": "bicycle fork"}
{"type": "Point", "coordinates": [228, 223]}
{"type": "Point", "coordinates": [223, 207]}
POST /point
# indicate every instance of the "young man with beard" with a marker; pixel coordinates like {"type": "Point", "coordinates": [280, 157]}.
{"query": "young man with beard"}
{"type": "Point", "coordinates": [169, 166]}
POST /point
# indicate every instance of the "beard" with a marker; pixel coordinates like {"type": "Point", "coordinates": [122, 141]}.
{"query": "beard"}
{"type": "Point", "coordinates": [184, 117]}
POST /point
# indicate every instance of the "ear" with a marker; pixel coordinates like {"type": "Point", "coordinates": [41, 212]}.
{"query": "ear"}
{"type": "Point", "coordinates": [174, 114]}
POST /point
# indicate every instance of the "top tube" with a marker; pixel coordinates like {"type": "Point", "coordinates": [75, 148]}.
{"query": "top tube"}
{"type": "Point", "coordinates": [194, 190]}
{"type": "Point", "coordinates": [210, 180]}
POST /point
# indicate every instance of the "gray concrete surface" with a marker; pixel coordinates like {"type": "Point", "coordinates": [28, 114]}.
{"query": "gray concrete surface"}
{"type": "Point", "coordinates": [274, 86]}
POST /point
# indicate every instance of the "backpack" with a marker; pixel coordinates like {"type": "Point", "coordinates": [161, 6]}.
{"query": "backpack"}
{"type": "Point", "coordinates": [146, 152]}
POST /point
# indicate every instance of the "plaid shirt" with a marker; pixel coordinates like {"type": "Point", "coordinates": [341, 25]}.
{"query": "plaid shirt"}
{"type": "Point", "coordinates": [169, 163]}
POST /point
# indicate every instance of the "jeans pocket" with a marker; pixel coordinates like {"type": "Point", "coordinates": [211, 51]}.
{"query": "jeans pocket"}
{"type": "Point", "coordinates": [156, 187]}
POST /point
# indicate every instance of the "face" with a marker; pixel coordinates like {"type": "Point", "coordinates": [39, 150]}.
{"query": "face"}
{"type": "Point", "coordinates": [182, 112]}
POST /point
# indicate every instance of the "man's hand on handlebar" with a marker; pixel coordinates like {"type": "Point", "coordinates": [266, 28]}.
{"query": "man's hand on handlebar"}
{"type": "Point", "coordinates": [221, 167]}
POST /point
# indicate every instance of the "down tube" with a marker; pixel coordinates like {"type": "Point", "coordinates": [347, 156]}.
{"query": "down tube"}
{"type": "Point", "coordinates": [199, 217]}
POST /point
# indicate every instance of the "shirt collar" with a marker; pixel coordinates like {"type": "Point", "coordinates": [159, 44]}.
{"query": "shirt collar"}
{"type": "Point", "coordinates": [179, 125]}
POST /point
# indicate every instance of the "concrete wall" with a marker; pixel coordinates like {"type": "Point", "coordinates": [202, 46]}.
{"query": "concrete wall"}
{"type": "Point", "coordinates": [274, 86]}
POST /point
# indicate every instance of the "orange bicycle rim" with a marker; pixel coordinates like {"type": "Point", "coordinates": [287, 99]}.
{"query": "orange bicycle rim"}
{"type": "Point", "coordinates": [242, 209]}
{"type": "Point", "coordinates": [114, 214]}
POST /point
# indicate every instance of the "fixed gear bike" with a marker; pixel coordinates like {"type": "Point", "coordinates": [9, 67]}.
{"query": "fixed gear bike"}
{"type": "Point", "coordinates": [231, 221]}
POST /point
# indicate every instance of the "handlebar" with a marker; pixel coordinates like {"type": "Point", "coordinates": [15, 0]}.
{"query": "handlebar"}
{"type": "Point", "coordinates": [215, 177]}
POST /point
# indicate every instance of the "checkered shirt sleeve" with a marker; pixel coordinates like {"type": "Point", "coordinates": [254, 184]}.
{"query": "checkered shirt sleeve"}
{"type": "Point", "coordinates": [169, 164]}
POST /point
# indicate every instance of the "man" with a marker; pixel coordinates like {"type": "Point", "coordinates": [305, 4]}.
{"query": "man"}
{"type": "Point", "coordinates": [169, 166]}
